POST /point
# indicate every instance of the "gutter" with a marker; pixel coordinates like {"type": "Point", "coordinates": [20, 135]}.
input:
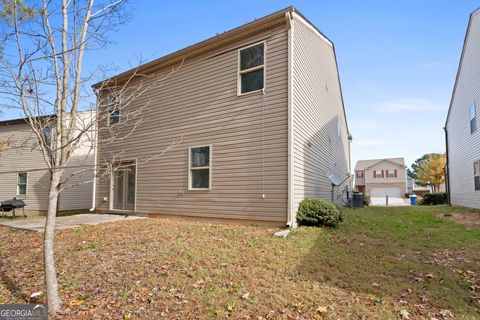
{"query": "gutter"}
{"type": "Point", "coordinates": [447, 168]}
{"type": "Point", "coordinates": [290, 210]}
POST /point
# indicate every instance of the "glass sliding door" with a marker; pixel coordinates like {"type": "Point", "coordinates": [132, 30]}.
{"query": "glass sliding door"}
{"type": "Point", "coordinates": [124, 188]}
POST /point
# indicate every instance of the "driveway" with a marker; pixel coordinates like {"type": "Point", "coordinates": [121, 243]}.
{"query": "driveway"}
{"type": "Point", "coordinates": [68, 222]}
{"type": "Point", "coordinates": [392, 201]}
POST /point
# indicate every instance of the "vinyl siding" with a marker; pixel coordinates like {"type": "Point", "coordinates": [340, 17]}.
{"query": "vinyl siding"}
{"type": "Point", "coordinates": [198, 105]}
{"type": "Point", "coordinates": [22, 155]}
{"type": "Point", "coordinates": [317, 108]}
{"type": "Point", "coordinates": [464, 147]}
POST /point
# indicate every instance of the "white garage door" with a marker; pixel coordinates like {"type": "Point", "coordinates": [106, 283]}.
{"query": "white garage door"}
{"type": "Point", "coordinates": [382, 192]}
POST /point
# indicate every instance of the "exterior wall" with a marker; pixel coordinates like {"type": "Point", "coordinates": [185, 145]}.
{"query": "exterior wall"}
{"type": "Point", "coordinates": [319, 146]}
{"type": "Point", "coordinates": [464, 147]}
{"type": "Point", "coordinates": [198, 105]}
{"type": "Point", "coordinates": [386, 182]}
{"type": "Point", "coordinates": [23, 155]}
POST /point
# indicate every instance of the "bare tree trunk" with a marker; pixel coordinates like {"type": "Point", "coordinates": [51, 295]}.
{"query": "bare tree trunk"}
{"type": "Point", "coordinates": [53, 298]}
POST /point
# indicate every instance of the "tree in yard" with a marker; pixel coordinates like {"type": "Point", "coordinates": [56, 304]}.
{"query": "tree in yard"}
{"type": "Point", "coordinates": [42, 74]}
{"type": "Point", "coordinates": [429, 170]}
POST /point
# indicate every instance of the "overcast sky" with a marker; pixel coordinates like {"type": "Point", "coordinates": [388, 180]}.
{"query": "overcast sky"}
{"type": "Point", "coordinates": [397, 59]}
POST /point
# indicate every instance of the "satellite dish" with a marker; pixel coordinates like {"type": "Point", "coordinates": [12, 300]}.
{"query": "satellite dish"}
{"type": "Point", "coordinates": [337, 179]}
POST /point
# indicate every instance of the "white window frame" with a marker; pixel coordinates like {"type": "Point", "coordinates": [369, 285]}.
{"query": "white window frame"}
{"type": "Point", "coordinates": [241, 72]}
{"type": "Point", "coordinates": [470, 119]}
{"type": "Point", "coordinates": [209, 167]}
{"type": "Point", "coordinates": [391, 173]}
{"type": "Point", "coordinates": [113, 100]}
{"type": "Point", "coordinates": [476, 173]}
{"type": "Point", "coordinates": [378, 175]}
{"type": "Point", "coordinates": [18, 184]}
{"type": "Point", "coordinates": [110, 196]}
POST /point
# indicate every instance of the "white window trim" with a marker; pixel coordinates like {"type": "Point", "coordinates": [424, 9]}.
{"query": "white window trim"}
{"type": "Point", "coordinates": [474, 106]}
{"type": "Point", "coordinates": [110, 198]}
{"type": "Point", "coordinates": [110, 101]}
{"type": "Point", "coordinates": [209, 167]}
{"type": "Point", "coordinates": [263, 66]}
{"type": "Point", "coordinates": [26, 185]}
{"type": "Point", "coordinates": [475, 175]}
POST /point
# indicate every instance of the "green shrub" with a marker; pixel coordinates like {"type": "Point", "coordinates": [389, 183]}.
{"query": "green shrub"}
{"type": "Point", "coordinates": [434, 198]}
{"type": "Point", "coordinates": [316, 212]}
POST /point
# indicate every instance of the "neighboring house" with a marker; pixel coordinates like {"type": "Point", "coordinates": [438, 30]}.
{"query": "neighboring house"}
{"type": "Point", "coordinates": [260, 116]}
{"type": "Point", "coordinates": [462, 127]}
{"type": "Point", "coordinates": [381, 177]}
{"type": "Point", "coordinates": [24, 173]}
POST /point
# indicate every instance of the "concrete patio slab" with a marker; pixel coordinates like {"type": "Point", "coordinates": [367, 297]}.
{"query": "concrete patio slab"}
{"type": "Point", "coordinates": [69, 221]}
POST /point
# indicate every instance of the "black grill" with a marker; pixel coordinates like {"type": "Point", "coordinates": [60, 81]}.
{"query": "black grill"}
{"type": "Point", "coordinates": [12, 205]}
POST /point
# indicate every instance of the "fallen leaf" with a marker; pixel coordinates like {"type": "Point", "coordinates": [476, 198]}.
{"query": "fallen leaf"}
{"type": "Point", "coordinates": [75, 303]}
{"type": "Point", "coordinates": [322, 309]}
{"type": "Point", "coordinates": [405, 314]}
{"type": "Point", "coordinates": [246, 296]}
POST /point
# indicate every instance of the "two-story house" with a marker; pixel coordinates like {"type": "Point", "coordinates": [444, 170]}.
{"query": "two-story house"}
{"type": "Point", "coordinates": [381, 177]}
{"type": "Point", "coordinates": [25, 175]}
{"type": "Point", "coordinates": [462, 129]}
{"type": "Point", "coordinates": [258, 116]}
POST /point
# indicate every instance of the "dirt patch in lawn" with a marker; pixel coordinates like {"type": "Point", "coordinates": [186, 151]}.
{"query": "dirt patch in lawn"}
{"type": "Point", "coordinates": [471, 219]}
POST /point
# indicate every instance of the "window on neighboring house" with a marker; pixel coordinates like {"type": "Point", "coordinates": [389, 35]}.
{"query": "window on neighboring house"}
{"type": "Point", "coordinates": [200, 173]}
{"type": "Point", "coordinates": [476, 175]}
{"type": "Point", "coordinates": [377, 174]}
{"type": "Point", "coordinates": [359, 175]}
{"type": "Point", "coordinates": [473, 118]}
{"type": "Point", "coordinates": [113, 111]}
{"type": "Point", "coordinates": [390, 173]}
{"type": "Point", "coordinates": [251, 68]}
{"type": "Point", "coordinates": [47, 135]}
{"type": "Point", "coordinates": [22, 184]}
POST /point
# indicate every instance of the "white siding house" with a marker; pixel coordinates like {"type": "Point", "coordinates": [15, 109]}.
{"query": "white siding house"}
{"type": "Point", "coordinates": [462, 126]}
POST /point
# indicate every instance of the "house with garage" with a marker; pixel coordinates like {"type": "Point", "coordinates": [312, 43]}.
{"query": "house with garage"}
{"type": "Point", "coordinates": [243, 127]}
{"type": "Point", "coordinates": [462, 129]}
{"type": "Point", "coordinates": [381, 177]}
{"type": "Point", "coordinates": [24, 174]}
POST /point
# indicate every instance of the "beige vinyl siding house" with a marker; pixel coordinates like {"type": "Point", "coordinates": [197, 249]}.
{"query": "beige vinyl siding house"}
{"type": "Point", "coordinates": [24, 174]}
{"type": "Point", "coordinates": [381, 177]}
{"type": "Point", "coordinates": [462, 127]}
{"type": "Point", "coordinates": [229, 109]}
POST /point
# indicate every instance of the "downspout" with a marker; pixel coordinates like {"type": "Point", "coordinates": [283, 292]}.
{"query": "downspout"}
{"type": "Point", "coordinates": [447, 168]}
{"type": "Point", "coordinates": [290, 211]}
{"type": "Point", "coordinates": [95, 141]}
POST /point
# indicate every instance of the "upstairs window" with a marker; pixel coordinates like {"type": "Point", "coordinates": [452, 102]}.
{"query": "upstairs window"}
{"type": "Point", "coordinates": [200, 173]}
{"type": "Point", "coordinates": [476, 175]}
{"type": "Point", "coordinates": [359, 175]}
{"type": "Point", "coordinates": [22, 184]}
{"type": "Point", "coordinates": [251, 68]}
{"type": "Point", "coordinates": [473, 118]}
{"type": "Point", "coordinates": [390, 173]}
{"type": "Point", "coordinates": [113, 110]}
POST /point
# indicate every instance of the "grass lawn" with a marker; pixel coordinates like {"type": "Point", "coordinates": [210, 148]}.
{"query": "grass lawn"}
{"type": "Point", "coordinates": [381, 263]}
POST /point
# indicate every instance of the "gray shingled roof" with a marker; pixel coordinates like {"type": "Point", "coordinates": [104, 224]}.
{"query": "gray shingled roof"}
{"type": "Point", "coordinates": [365, 164]}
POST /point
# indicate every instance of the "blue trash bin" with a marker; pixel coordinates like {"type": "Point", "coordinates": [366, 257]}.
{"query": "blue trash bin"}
{"type": "Point", "coordinates": [413, 199]}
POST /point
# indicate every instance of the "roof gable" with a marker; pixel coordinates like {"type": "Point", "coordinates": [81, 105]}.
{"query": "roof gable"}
{"type": "Point", "coordinates": [366, 164]}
